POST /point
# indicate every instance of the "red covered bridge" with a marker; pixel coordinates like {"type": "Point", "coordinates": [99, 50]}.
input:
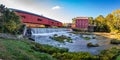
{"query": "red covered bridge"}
{"type": "Point", "coordinates": [34, 20]}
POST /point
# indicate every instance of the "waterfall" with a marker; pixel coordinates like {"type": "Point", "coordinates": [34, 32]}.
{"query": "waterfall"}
{"type": "Point", "coordinates": [39, 31]}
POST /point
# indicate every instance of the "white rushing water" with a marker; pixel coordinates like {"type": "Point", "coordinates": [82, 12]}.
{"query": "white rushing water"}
{"type": "Point", "coordinates": [48, 30]}
{"type": "Point", "coordinates": [42, 36]}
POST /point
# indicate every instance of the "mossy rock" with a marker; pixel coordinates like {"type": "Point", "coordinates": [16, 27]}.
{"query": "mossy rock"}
{"type": "Point", "coordinates": [115, 41]}
{"type": "Point", "coordinates": [62, 38]}
{"type": "Point", "coordinates": [92, 45]}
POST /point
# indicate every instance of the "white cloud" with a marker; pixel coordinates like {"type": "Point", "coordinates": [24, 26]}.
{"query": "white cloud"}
{"type": "Point", "coordinates": [56, 7]}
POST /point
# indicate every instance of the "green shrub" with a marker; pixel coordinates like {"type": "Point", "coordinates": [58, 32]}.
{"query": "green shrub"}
{"type": "Point", "coordinates": [74, 56]}
{"type": "Point", "coordinates": [49, 49]}
{"type": "Point", "coordinates": [109, 54]}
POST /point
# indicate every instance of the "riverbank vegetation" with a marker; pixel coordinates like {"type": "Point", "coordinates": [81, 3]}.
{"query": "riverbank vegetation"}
{"type": "Point", "coordinates": [9, 21]}
{"type": "Point", "coordinates": [20, 50]}
{"type": "Point", "coordinates": [48, 49]}
{"type": "Point", "coordinates": [27, 50]}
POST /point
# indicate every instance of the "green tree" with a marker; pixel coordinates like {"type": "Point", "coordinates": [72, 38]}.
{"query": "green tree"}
{"type": "Point", "coordinates": [2, 9]}
{"type": "Point", "coordinates": [101, 24]}
{"type": "Point", "coordinates": [109, 21]}
{"type": "Point", "coordinates": [113, 21]}
{"type": "Point", "coordinates": [116, 20]}
{"type": "Point", "coordinates": [73, 20]}
{"type": "Point", "coordinates": [11, 26]}
{"type": "Point", "coordinates": [91, 20]}
{"type": "Point", "coordinates": [10, 22]}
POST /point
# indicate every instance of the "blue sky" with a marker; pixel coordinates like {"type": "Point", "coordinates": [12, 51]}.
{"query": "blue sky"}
{"type": "Point", "coordinates": [65, 10]}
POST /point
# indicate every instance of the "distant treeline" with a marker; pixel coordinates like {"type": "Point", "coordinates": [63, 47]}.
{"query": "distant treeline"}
{"type": "Point", "coordinates": [110, 23]}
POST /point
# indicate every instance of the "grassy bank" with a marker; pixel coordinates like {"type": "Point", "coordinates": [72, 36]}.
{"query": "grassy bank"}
{"type": "Point", "coordinates": [27, 50]}
{"type": "Point", "coordinates": [118, 57]}
{"type": "Point", "coordinates": [20, 50]}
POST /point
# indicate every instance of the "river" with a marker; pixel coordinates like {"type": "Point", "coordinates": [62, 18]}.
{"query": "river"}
{"type": "Point", "coordinates": [42, 36]}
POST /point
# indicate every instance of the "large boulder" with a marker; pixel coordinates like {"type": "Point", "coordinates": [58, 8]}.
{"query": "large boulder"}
{"type": "Point", "coordinates": [92, 45]}
{"type": "Point", "coordinates": [115, 41]}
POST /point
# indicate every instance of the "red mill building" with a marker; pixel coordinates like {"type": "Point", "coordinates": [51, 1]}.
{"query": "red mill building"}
{"type": "Point", "coordinates": [34, 20]}
{"type": "Point", "coordinates": [81, 23]}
